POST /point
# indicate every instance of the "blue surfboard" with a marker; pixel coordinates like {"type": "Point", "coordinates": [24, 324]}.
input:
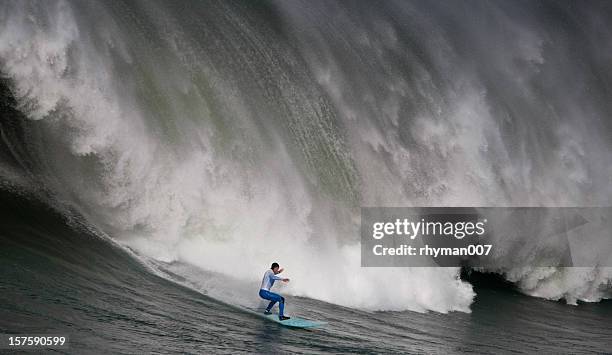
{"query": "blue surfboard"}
{"type": "Point", "coordinates": [293, 322]}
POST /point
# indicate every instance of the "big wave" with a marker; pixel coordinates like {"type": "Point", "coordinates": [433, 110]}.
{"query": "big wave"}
{"type": "Point", "coordinates": [229, 135]}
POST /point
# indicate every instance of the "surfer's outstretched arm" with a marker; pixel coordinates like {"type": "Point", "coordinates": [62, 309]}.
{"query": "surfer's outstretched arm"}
{"type": "Point", "coordinates": [284, 279]}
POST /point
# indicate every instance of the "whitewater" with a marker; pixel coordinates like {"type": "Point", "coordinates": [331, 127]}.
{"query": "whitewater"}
{"type": "Point", "coordinates": [212, 138]}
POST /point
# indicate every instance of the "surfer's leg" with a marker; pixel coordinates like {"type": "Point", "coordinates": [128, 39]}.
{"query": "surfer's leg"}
{"type": "Point", "coordinates": [281, 307]}
{"type": "Point", "coordinates": [270, 305]}
{"type": "Point", "coordinates": [274, 297]}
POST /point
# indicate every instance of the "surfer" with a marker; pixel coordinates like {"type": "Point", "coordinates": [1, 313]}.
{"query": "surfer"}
{"type": "Point", "coordinates": [264, 291]}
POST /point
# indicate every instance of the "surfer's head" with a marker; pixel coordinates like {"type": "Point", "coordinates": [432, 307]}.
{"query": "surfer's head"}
{"type": "Point", "coordinates": [274, 267]}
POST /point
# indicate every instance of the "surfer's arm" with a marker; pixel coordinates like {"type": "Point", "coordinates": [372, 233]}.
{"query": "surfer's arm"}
{"type": "Point", "coordinates": [283, 279]}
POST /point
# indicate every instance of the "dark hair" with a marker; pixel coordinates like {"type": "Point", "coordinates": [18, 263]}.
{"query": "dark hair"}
{"type": "Point", "coordinates": [274, 265]}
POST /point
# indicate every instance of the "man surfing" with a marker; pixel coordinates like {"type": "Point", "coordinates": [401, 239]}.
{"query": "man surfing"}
{"type": "Point", "coordinates": [264, 291]}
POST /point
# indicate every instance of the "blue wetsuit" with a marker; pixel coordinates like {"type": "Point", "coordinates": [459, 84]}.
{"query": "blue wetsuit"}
{"type": "Point", "coordinates": [264, 292]}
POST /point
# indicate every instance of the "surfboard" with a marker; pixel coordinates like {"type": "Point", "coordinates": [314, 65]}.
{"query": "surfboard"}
{"type": "Point", "coordinates": [293, 322]}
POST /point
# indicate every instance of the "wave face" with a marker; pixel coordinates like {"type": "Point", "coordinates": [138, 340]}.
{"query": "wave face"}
{"type": "Point", "coordinates": [227, 135]}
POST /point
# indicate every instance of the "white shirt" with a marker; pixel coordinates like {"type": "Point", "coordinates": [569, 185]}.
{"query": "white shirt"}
{"type": "Point", "coordinates": [268, 280]}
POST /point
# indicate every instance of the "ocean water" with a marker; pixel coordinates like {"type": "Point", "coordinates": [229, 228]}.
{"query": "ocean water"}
{"type": "Point", "coordinates": [156, 157]}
